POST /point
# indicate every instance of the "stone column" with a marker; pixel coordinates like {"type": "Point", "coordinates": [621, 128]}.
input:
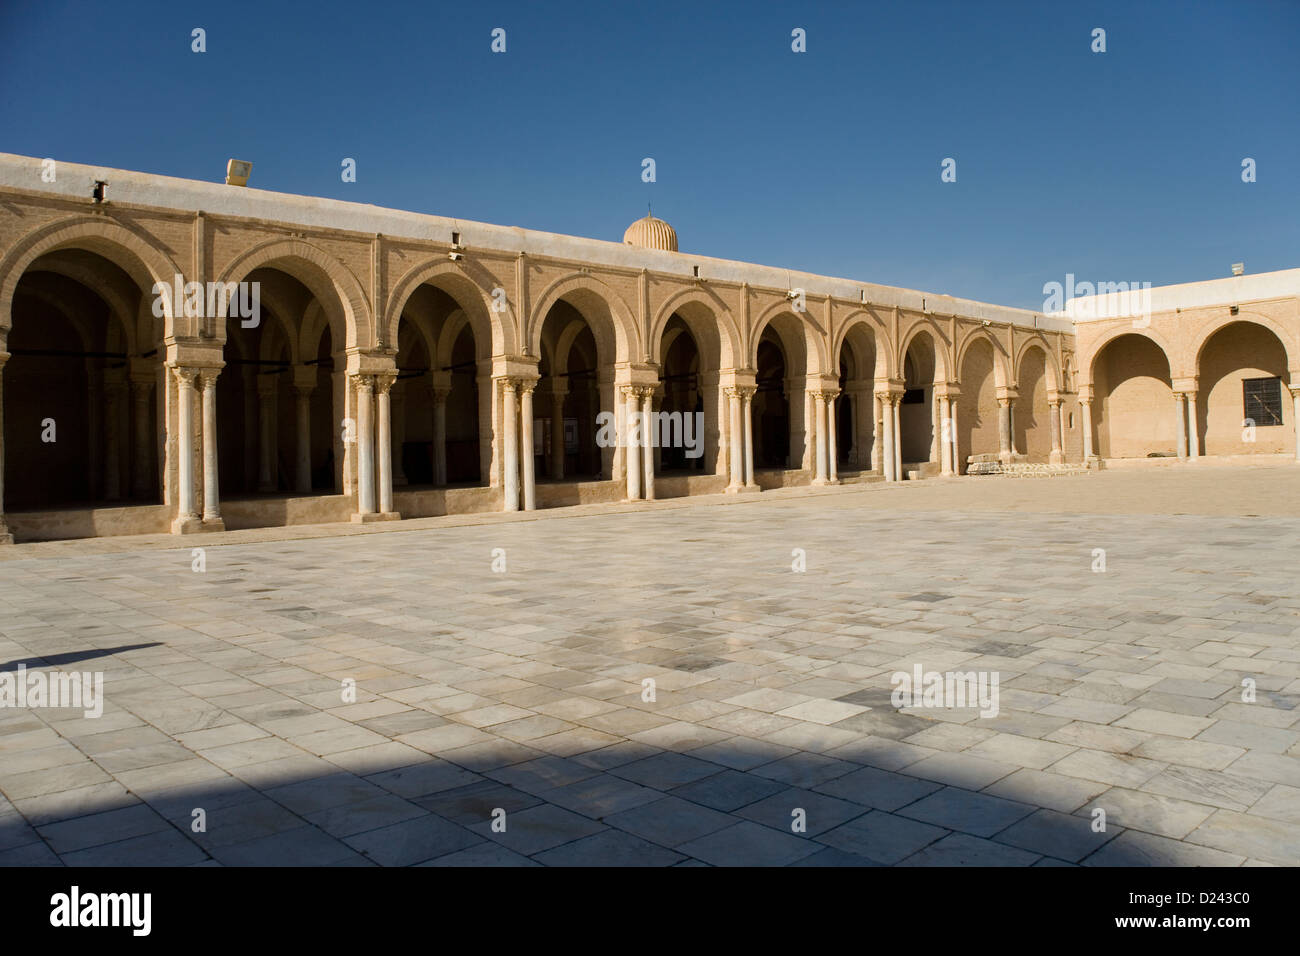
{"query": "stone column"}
{"type": "Point", "coordinates": [1060, 425]}
{"type": "Point", "coordinates": [648, 436]}
{"type": "Point", "coordinates": [952, 435]}
{"type": "Point", "coordinates": [440, 393]}
{"type": "Point", "coordinates": [936, 427]}
{"type": "Point", "coordinates": [384, 440]}
{"type": "Point", "coordinates": [141, 395]}
{"type": "Point", "coordinates": [558, 391]}
{"type": "Point", "coordinates": [1193, 431]}
{"type": "Point", "coordinates": [510, 442]}
{"type": "Point", "coordinates": [5, 536]}
{"type": "Point", "coordinates": [211, 474]}
{"type": "Point", "coordinates": [365, 387]}
{"type": "Point", "coordinates": [896, 402]}
{"type": "Point", "coordinates": [877, 434]}
{"type": "Point", "coordinates": [1054, 420]}
{"type": "Point", "coordinates": [187, 519]}
{"type": "Point", "coordinates": [819, 423]}
{"type": "Point", "coordinates": [887, 428]}
{"type": "Point", "coordinates": [632, 442]}
{"type": "Point", "coordinates": [526, 444]}
{"type": "Point", "coordinates": [302, 404]}
{"type": "Point", "coordinates": [736, 435]}
{"type": "Point", "coordinates": [1004, 429]}
{"type": "Point", "coordinates": [945, 436]}
{"type": "Point", "coordinates": [266, 472]}
{"type": "Point", "coordinates": [1182, 424]}
{"type": "Point", "coordinates": [747, 416]}
{"type": "Point", "coordinates": [1085, 413]}
{"type": "Point", "coordinates": [1295, 426]}
{"type": "Point", "coordinates": [832, 449]}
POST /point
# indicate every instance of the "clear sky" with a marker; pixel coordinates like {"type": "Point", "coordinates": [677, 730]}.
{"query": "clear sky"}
{"type": "Point", "coordinates": [1115, 166]}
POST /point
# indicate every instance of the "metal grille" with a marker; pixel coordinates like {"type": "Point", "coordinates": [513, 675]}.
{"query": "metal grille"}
{"type": "Point", "coordinates": [1262, 399]}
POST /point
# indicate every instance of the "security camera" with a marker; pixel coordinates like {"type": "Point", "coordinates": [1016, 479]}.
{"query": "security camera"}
{"type": "Point", "coordinates": [986, 323]}
{"type": "Point", "coordinates": [455, 256]}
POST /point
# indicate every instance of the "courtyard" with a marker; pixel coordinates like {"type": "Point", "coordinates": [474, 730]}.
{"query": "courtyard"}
{"type": "Point", "coordinates": [679, 682]}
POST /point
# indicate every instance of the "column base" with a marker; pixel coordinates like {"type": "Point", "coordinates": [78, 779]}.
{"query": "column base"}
{"type": "Point", "coordinates": [1056, 458]}
{"type": "Point", "coordinates": [214, 524]}
{"type": "Point", "coordinates": [187, 524]}
{"type": "Point", "coordinates": [752, 488]}
{"type": "Point", "coordinates": [376, 516]}
{"type": "Point", "coordinates": [7, 538]}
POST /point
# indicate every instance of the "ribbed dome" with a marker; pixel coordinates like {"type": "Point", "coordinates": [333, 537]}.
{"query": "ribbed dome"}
{"type": "Point", "coordinates": [651, 233]}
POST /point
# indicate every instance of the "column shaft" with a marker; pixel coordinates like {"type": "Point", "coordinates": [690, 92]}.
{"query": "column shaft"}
{"type": "Point", "coordinates": [384, 442]}
{"type": "Point", "coordinates": [365, 446]}
{"type": "Point", "coordinates": [648, 441]}
{"type": "Point", "coordinates": [303, 405]}
{"type": "Point", "coordinates": [747, 415]}
{"type": "Point", "coordinates": [896, 401]}
{"type": "Point", "coordinates": [5, 536]}
{"type": "Point", "coordinates": [832, 443]}
{"type": "Point", "coordinates": [185, 445]}
{"type": "Point", "coordinates": [1193, 432]}
{"type": "Point", "coordinates": [1054, 420]}
{"type": "Point", "coordinates": [1182, 424]}
{"type": "Point", "coordinates": [211, 475]}
{"type": "Point", "coordinates": [945, 435]}
{"type": "Point", "coordinates": [510, 440]}
{"type": "Point", "coordinates": [526, 446]}
{"type": "Point", "coordinates": [1085, 413]}
{"type": "Point", "coordinates": [887, 445]}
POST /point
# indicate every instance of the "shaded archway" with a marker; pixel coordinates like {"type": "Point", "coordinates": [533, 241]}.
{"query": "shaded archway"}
{"type": "Point", "coordinates": [977, 406]}
{"type": "Point", "coordinates": [780, 407]}
{"type": "Point", "coordinates": [1243, 404]}
{"type": "Point", "coordinates": [855, 437]}
{"type": "Point", "coordinates": [1031, 426]}
{"type": "Point", "coordinates": [682, 399]}
{"type": "Point", "coordinates": [440, 421]}
{"type": "Point", "coordinates": [1135, 414]}
{"type": "Point", "coordinates": [80, 416]}
{"type": "Point", "coordinates": [577, 377]}
{"type": "Point", "coordinates": [918, 415]}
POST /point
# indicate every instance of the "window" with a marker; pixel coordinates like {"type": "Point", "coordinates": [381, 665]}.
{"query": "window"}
{"type": "Point", "coordinates": [1262, 401]}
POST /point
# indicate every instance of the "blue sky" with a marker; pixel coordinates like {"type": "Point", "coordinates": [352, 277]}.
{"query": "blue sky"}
{"type": "Point", "coordinates": [1120, 166]}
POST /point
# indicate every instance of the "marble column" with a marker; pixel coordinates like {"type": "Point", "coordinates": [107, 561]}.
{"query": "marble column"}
{"type": "Point", "coordinates": [558, 391]}
{"type": "Point", "coordinates": [896, 402]}
{"type": "Point", "coordinates": [365, 387]}
{"type": "Point", "coordinates": [832, 443]}
{"type": "Point", "coordinates": [384, 440]}
{"type": "Point", "coordinates": [1193, 430]}
{"type": "Point", "coordinates": [1182, 424]}
{"type": "Point", "coordinates": [945, 436]}
{"type": "Point", "coordinates": [1004, 429]}
{"type": "Point", "coordinates": [632, 441]}
{"type": "Point", "coordinates": [952, 436]}
{"type": "Point", "coordinates": [1054, 420]}
{"type": "Point", "coordinates": [877, 434]}
{"type": "Point", "coordinates": [736, 435]}
{"type": "Point", "coordinates": [936, 427]}
{"type": "Point", "coordinates": [5, 536]}
{"type": "Point", "coordinates": [887, 429]}
{"type": "Point", "coordinates": [1060, 424]}
{"type": "Point", "coordinates": [302, 404]}
{"type": "Point", "coordinates": [142, 439]}
{"type": "Point", "coordinates": [747, 416]}
{"type": "Point", "coordinates": [526, 444]}
{"type": "Point", "coordinates": [186, 515]}
{"type": "Point", "coordinates": [510, 442]}
{"type": "Point", "coordinates": [648, 441]}
{"type": "Point", "coordinates": [211, 475]}
{"type": "Point", "coordinates": [1295, 427]}
{"type": "Point", "coordinates": [1085, 414]}
{"type": "Point", "coordinates": [819, 423]}
{"type": "Point", "coordinates": [266, 470]}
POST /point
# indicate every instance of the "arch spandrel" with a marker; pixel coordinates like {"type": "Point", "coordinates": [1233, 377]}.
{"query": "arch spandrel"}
{"type": "Point", "coordinates": [474, 295]}
{"type": "Point", "coordinates": [609, 316]}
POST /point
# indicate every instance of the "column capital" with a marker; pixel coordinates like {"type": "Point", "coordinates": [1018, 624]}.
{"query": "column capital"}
{"type": "Point", "coordinates": [208, 376]}
{"type": "Point", "coordinates": [185, 375]}
{"type": "Point", "coordinates": [362, 381]}
{"type": "Point", "coordinates": [384, 381]}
